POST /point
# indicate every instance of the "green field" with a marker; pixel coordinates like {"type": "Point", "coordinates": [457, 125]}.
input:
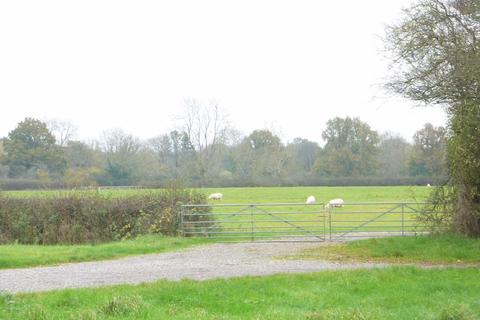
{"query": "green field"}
{"type": "Point", "coordinates": [279, 194]}
{"type": "Point", "coordinates": [385, 293]}
{"type": "Point", "coordinates": [322, 194]}
{"type": "Point", "coordinates": [299, 221]}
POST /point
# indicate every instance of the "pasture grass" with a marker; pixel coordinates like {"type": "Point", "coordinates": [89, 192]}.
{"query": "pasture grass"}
{"type": "Point", "coordinates": [384, 293]}
{"type": "Point", "coordinates": [425, 249]}
{"type": "Point", "coordinates": [322, 194]}
{"type": "Point", "coordinates": [21, 256]}
{"type": "Point", "coordinates": [274, 194]}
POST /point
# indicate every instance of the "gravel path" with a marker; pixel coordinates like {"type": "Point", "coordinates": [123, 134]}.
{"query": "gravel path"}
{"type": "Point", "coordinates": [197, 263]}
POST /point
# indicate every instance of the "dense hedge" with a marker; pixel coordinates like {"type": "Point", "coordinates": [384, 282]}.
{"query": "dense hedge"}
{"type": "Point", "coordinates": [88, 217]}
{"type": "Point", "coordinates": [333, 182]}
{"type": "Point", "coordinates": [25, 184]}
{"type": "Point", "coordinates": [32, 184]}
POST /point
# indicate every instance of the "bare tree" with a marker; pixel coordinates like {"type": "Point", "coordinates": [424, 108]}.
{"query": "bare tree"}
{"type": "Point", "coordinates": [64, 131]}
{"type": "Point", "coordinates": [207, 128]}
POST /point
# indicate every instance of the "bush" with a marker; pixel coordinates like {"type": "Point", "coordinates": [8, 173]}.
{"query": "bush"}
{"type": "Point", "coordinates": [89, 217]}
{"type": "Point", "coordinates": [438, 214]}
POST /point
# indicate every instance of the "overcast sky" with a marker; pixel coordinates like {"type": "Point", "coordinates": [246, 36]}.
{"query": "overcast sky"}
{"type": "Point", "coordinates": [284, 65]}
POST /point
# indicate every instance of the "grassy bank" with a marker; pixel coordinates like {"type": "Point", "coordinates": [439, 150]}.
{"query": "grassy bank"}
{"type": "Point", "coordinates": [390, 293]}
{"type": "Point", "coordinates": [20, 256]}
{"type": "Point", "coordinates": [435, 249]}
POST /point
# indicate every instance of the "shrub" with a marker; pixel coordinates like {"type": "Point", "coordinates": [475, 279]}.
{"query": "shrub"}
{"type": "Point", "coordinates": [89, 217]}
{"type": "Point", "coordinates": [438, 214]}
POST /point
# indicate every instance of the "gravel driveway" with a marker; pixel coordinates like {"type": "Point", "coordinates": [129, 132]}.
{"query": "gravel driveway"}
{"type": "Point", "coordinates": [197, 263]}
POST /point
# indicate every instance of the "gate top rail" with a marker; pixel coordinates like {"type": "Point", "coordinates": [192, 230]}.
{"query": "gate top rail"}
{"type": "Point", "coordinates": [250, 204]}
{"type": "Point", "coordinates": [298, 204]}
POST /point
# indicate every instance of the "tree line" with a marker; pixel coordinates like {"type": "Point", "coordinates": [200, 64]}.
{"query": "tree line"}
{"type": "Point", "coordinates": [207, 151]}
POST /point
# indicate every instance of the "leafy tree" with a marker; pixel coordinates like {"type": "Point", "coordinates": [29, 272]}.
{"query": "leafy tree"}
{"type": "Point", "coordinates": [122, 152]}
{"type": "Point", "coordinates": [3, 169]}
{"type": "Point", "coordinates": [261, 158]}
{"type": "Point", "coordinates": [300, 159]}
{"type": "Point", "coordinates": [85, 164]}
{"type": "Point", "coordinates": [81, 155]}
{"type": "Point", "coordinates": [304, 153]}
{"type": "Point", "coordinates": [31, 147]}
{"type": "Point", "coordinates": [163, 148]}
{"type": "Point", "coordinates": [393, 156]}
{"type": "Point", "coordinates": [436, 60]}
{"type": "Point", "coordinates": [429, 152]}
{"type": "Point", "coordinates": [351, 149]}
{"type": "Point", "coordinates": [175, 155]}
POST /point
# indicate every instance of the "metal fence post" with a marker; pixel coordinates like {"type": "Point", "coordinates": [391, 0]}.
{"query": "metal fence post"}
{"type": "Point", "coordinates": [251, 221]}
{"type": "Point", "coordinates": [324, 225]}
{"type": "Point", "coordinates": [329, 211]}
{"type": "Point", "coordinates": [182, 211]}
{"type": "Point", "coordinates": [403, 219]}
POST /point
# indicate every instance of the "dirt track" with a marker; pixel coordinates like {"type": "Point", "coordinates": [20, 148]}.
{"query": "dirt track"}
{"type": "Point", "coordinates": [198, 263]}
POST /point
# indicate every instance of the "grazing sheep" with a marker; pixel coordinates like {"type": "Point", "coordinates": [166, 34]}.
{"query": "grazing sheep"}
{"type": "Point", "coordinates": [311, 200]}
{"type": "Point", "coordinates": [335, 203]}
{"type": "Point", "coordinates": [215, 196]}
{"type": "Point", "coordinates": [428, 185]}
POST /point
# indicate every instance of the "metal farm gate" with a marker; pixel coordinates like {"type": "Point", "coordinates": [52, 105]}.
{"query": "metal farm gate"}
{"type": "Point", "coordinates": [287, 222]}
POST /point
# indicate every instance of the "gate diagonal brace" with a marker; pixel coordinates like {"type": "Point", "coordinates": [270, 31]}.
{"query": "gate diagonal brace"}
{"type": "Point", "coordinates": [407, 206]}
{"type": "Point", "coordinates": [291, 224]}
{"type": "Point", "coordinates": [367, 222]}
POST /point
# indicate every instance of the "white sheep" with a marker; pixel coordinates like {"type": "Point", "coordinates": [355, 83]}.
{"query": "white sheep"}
{"type": "Point", "coordinates": [428, 185]}
{"type": "Point", "coordinates": [335, 203]}
{"type": "Point", "coordinates": [215, 196]}
{"type": "Point", "coordinates": [311, 200]}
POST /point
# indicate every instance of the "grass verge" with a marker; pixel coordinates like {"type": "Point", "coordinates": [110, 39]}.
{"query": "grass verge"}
{"type": "Point", "coordinates": [20, 256]}
{"type": "Point", "coordinates": [427, 249]}
{"type": "Point", "coordinates": [386, 293]}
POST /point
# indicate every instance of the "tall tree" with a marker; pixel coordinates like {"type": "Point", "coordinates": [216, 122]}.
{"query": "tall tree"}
{"type": "Point", "coordinates": [175, 155]}
{"type": "Point", "coordinates": [206, 128]}
{"type": "Point", "coordinates": [429, 152]}
{"type": "Point", "coordinates": [393, 156]}
{"type": "Point", "coordinates": [351, 149]}
{"type": "Point", "coordinates": [64, 131]}
{"type": "Point", "coordinates": [302, 154]}
{"type": "Point", "coordinates": [3, 168]}
{"type": "Point", "coordinates": [85, 164]}
{"type": "Point", "coordinates": [31, 147]}
{"type": "Point", "coordinates": [122, 152]}
{"type": "Point", "coordinates": [436, 60]}
{"type": "Point", "coordinates": [261, 158]}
